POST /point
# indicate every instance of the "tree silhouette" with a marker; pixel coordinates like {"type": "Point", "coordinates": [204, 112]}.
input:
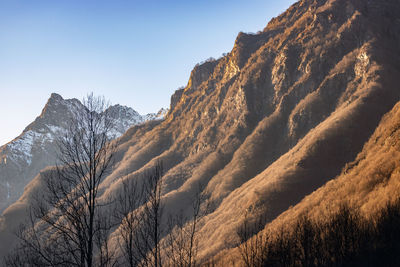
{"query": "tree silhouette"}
{"type": "Point", "coordinates": [67, 226]}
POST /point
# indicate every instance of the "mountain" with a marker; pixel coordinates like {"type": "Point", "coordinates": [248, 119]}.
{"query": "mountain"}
{"type": "Point", "coordinates": [124, 117]}
{"type": "Point", "coordinates": [291, 120]}
{"type": "Point", "coordinates": [23, 158]}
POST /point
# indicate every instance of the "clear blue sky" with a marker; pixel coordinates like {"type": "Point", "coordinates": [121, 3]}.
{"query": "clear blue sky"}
{"type": "Point", "coordinates": [134, 52]}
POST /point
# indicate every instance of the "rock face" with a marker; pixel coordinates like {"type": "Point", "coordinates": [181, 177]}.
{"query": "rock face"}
{"type": "Point", "coordinates": [23, 158]}
{"type": "Point", "coordinates": [156, 116]}
{"type": "Point", "coordinates": [274, 120]}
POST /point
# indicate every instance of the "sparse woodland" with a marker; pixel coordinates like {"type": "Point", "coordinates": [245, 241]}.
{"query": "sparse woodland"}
{"type": "Point", "coordinates": [70, 226]}
{"type": "Point", "coordinates": [344, 238]}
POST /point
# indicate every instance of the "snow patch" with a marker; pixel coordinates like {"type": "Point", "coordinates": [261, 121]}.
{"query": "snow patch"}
{"type": "Point", "coordinates": [160, 115]}
{"type": "Point", "coordinates": [21, 148]}
{"type": "Point", "coordinates": [123, 118]}
{"type": "Point", "coordinates": [55, 129]}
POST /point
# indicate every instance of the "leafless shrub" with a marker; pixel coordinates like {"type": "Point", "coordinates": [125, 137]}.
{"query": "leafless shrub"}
{"type": "Point", "coordinates": [66, 225]}
{"type": "Point", "coordinates": [181, 241]}
{"type": "Point", "coordinates": [344, 238]}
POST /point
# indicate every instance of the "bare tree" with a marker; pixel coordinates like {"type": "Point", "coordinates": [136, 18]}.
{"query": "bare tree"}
{"type": "Point", "coordinates": [67, 227]}
{"type": "Point", "coordinates": [126, 212]}
{"type": "Point", "coordinates": [139, 210]}
{"type": "Point", "coordinates": [153, 210]}
{"type": "Point", "coordinates": [181, 241]}
{"type": "Point", "coordinates": [252, 243]}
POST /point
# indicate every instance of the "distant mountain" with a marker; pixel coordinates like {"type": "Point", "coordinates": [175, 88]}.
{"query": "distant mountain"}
{"type": "Point", "coordinates": [156, 116]}
{"type": "Point", "coordinates": [23, 158]}
{"type": "Point", "coordinates": [125, 117]}
{"type": "Point", "coordinates": [290, 122]}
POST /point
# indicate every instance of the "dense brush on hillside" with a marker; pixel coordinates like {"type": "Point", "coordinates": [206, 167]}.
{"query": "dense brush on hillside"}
{"type": "Point", "coordinates": [344, 238]}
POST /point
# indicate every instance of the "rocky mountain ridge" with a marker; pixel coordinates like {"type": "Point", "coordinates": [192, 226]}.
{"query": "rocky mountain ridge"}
{"type": "Point", "coordinates": [23, 158]}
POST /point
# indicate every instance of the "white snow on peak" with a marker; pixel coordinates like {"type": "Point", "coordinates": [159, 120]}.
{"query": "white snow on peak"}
{"type": "Point", "coordinates": [55, 129]}
{"type": "Point", "coordinates": [123, 118]}
{"type": "Point", "coordinates": [160, 115]}
{"type": "Point", "coordinates": [21, 148]}
{"type": "Point", "coordinates": [127, 117]}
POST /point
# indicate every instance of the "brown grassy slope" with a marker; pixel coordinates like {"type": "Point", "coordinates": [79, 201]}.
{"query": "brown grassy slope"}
{"type": "Point", "coordinates": [369, 89]}
{"type": "Point", "coordinates": [367, 183]}
{"type": "Point", "coordinates": [17, 213]}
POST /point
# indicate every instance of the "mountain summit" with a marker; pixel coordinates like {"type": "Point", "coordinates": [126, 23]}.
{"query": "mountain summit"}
{"type": "Point", "coordinates": [23, 158]}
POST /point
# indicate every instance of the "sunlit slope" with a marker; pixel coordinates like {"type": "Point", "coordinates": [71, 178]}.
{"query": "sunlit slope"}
{"type": "Point", "coordinates": [368, 183]}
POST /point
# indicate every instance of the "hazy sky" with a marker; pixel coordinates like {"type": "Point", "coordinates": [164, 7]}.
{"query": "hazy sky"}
{"type": "Point", "coordinates": [134, 52]}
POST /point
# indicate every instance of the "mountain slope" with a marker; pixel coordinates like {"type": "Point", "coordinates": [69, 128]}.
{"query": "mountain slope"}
{"type": "Point", "coordinates": [23, 158]}
{"type": "Point", "coordinates": [368, 183]}
{"type": "Point", "coordinates": [274, 120]}
{"type": "Point", "coordinates": [280, 115]}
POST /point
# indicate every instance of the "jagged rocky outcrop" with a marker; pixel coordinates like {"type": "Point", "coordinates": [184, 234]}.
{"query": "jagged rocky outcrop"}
{"type": "Point", "coordinates": [23, 158]}
{"type": "Point", "coordinates": [272, 121]}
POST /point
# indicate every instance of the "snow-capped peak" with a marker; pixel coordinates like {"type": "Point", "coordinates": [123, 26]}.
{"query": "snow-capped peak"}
{"type": "Point", "coordinates": [34, 149]}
